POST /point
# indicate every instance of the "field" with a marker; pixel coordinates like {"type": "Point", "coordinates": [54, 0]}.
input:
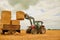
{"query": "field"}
{"type": "Point", "coordinates": [50, 35]}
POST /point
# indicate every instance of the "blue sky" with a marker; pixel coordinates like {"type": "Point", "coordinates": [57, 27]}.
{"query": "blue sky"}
{"type": "Point", "coordinates": [46, 10]}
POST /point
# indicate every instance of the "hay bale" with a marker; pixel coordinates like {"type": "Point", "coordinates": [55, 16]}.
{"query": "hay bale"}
{"type": "Point", "coordinates": [5, 21]}
{"type": "Point", "coordinates": [20, 15]}
{"type": "Point", "coordinates": [5, 17]}
{"type": "Point", "coordinates": [15, 22]}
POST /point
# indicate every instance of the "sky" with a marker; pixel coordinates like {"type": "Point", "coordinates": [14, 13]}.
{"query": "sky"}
{"type": "Point", "coordinates": [46, 10]}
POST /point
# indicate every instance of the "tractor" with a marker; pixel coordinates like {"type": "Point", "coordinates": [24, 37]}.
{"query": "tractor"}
{"type": "Point", "coordinates": [36, 26]}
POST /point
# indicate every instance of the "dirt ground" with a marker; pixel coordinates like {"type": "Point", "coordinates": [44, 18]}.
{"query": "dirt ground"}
{"type": "Point", "coordinates": [50, 35]}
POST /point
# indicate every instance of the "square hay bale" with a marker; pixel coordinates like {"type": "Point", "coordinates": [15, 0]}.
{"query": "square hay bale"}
{"type": "Point", "coordinates": [20, 15]}
{"type": "Point", "coordinates": [15, 22]}
{"type": "Point", "coordinates": [5, 21]}
{"type": "Point", "coordinates": [6, 15]}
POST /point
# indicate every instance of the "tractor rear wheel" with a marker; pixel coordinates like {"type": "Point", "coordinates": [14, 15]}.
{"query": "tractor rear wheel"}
{"type": "Point", "coordinates": [42, 30]}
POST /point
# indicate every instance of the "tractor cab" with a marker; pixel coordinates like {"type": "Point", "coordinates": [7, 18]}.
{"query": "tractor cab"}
{"type": "Point", "coordinates": [38, 24]}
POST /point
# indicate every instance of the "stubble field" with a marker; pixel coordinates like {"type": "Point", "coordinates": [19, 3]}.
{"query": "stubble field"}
{"type": "Point", "coordinates": [50, 35]}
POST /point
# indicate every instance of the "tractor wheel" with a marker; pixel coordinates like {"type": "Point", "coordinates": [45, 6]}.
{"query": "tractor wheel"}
{"type": "Point", "coordinates": [28, 31]}
{"type": "Point", "coordinates": [18, 31]}
{"type": "Point", "coordinates": [34, 31]}
{"type": "Point", "coordinates": [12, 31]}
{"type": "Point", "coordinates": [3, 32]}
{"type": "Point", "coordinates": [42, 30]}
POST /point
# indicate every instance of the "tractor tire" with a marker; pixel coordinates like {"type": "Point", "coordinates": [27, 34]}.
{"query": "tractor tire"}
{"type": "Point", "coordinates": [18, 31]}
{"type": "Point", "coordinates": [3, 31]}
{"type": "Point", "coordinates": [34, 31]}
{"type": "Point", "coordinates": [42, 30]}
{"type": "Point", "coordinates": [28, 31]}
{"type": "Point", "coordinates": [11, 31]}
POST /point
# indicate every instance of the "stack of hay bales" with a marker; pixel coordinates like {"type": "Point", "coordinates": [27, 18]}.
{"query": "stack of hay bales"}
{"type": "Point", "coordinates": [7, 24]}
{"type": "Point", "coordinates": [5, 19]}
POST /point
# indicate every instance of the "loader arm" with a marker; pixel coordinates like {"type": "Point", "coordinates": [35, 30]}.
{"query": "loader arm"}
{"type": "Point", "coordinates": [31, 19]}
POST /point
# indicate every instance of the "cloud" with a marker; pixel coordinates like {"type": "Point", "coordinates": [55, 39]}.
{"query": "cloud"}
{"type": "Point", "coordinates": [16, 4]}
{"type": "Point", "coordinates": [51, 8]}
{"type": "Point", "coordinates": [22, 4]}
{"type": "Point", "coordinates": [4, 5]}
{"type": "Point", "coordinates": [58, 14]}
